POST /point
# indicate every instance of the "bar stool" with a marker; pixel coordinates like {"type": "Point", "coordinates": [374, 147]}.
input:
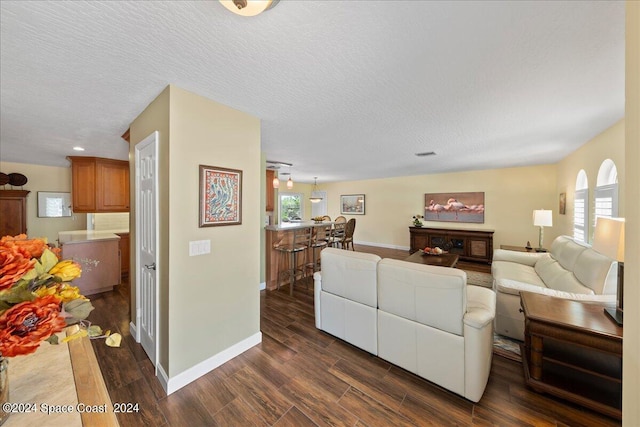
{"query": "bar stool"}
{"type": "Point", "coordinates": [318, 241]}
{"type": "Point", "coordinates": [298, 243]}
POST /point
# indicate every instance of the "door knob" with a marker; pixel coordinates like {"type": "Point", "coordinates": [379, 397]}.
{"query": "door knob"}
{"type": "Point", "coordinates": [150, 266]}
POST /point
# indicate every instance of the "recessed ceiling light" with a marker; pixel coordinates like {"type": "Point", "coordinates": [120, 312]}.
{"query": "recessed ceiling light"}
{"type": "Point", "coordinates": [78, 149]}
{"type": "Point", "coordinates": [426, 153]}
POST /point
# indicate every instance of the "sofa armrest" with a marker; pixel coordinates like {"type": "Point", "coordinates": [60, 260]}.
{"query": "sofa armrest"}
{"type": "Point", "coordinates": [526, 258]}
{"type": "Point", "coordinates": [481, 307]}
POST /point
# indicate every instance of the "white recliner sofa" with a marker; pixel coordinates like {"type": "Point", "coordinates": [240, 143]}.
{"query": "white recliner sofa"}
{"type": "Point", "coordinates": [422, 318]}
{"type": "Point", "coordinates": [569, 270]}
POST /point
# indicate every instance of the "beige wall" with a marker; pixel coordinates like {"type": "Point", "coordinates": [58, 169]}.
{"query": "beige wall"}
{"type": "Point", "coordinates": [209, 302]}
{"type": "Point", "coordinates": [511, 196]}
{"type": "Point", "coordinates": [45, 178]}
{"type": "Point", "coordinates": [608, 145]}
{"type": "Point", "coordinates": [631, 341]}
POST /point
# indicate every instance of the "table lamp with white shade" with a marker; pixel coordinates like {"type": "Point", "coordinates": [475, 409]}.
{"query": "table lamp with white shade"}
{"type": "Point", "coordinates": [542, 218]}
{"type": "Point", "coordinates": [609, 241]}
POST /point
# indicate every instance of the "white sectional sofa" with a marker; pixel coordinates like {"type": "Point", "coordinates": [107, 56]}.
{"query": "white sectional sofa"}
{"type": "Point", "coordinates": [422, 318]}
{"type": "Point", "coordinates": [569, 270]}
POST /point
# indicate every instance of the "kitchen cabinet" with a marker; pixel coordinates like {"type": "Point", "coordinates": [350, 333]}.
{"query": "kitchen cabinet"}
{"type": "Point", "coordinates": [124, 254]}
{"type": "Point", "coordinates": [99, 185]}
{"type": "Point", "coordinates": [13, 212]}
{"type": "Point", "coordinates": [270, 193]}
{"type": "Point", "coordinates": [470, 245]}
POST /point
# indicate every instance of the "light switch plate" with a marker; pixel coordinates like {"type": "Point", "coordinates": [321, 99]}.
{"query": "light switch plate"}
{"type": "Point", "coordinates": [199, 247]}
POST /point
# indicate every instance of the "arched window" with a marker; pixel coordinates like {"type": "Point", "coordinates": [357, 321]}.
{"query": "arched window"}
{"type": "Point", "coordinates": [606, 194]}
{"type": "Point", "coordinates": [581, 207]}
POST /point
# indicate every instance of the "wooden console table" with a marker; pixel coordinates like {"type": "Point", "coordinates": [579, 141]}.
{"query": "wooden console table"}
{"type": "Point", "coordinates": [574, 351]}
{"type": "Point", "coordinates": [470, 245]}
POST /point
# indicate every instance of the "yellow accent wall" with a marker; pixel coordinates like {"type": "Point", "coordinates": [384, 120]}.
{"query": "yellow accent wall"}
{"type": "Point", "coordinates": [631, 339]}
{"type": "Point", "coordinates": [209, 302]}
{"type": "Point", "coordinates": [45, 178]}
{"type": "Point", "coordinates": [511, 196]}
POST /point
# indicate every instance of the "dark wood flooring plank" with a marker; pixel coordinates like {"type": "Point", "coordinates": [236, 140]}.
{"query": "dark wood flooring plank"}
{"type": "Point", "coordinates": [295, 418]}
{"type": "Point", "coordinates": [149, 414]}
{"type": "Point", "coordinates": [371, 411]}
{"type": "Point", "coordinates": [273, 371]}
{"type": "Point", "coordinates": [262, 396]}
{"type": "Point", "coordinates": [318, 354]}
{"type": "Point", "coordinates": [369, 381]}
{"type": "Point", "coordinates": [317, 403]}
{"type": "Point", "coordinates": [276, 349]}
{"type": "Point", "coordinates": [184, 407]}
{"type": "Point", "coordinates": [238, 413]}
{"type": "Point", "coordinates": [456, 408]}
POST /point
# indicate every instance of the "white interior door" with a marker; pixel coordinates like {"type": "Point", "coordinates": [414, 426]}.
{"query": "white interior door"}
{"type": "Point", "coordinates": [146, 240]}
{"type": "Point", "coordinates": [320, 208]}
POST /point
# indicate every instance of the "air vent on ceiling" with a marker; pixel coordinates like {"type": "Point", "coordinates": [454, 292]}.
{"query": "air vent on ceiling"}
{"type": "Point", "coordinates": [426, 153]}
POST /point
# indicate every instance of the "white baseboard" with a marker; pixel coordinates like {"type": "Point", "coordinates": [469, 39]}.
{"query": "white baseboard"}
{"type": "Point", "coordinates": [133, 330]}
{"type": "Point", "coordinates": [183, 378]}
{"type": "Point", "coordinates": [382, 245]}
{"type": "Point", "coordinates": [263, 286]}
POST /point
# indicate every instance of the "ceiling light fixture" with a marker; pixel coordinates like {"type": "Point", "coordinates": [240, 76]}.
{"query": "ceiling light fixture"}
{"type": "Point", "coordinates": [274, 164]}
{"type": "Point", "coordinates": [248, 7]}
{"type": "Point", "coordinates": [78, 149]}
{"type": "Point", "coordinates": [290, 181]}
{"type": "Point", "coordinates": [315, 199]}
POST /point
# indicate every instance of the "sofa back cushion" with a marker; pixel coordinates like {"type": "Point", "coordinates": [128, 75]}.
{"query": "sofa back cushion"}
{"type": "Point", "coordinates": [566, 251]}
{"type": "Point", "coordinates": [597, 271]}
{"type": "Point", "coordinates": [588, 271]}
{"type": "Point", "coordinates": [351, 275]}
{"type": "Point", "coordinates": [433, 296]}
{"type": "Point", "coordinates": [557, 278]}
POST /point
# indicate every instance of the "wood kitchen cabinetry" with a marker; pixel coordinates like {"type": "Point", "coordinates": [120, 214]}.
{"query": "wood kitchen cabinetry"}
{"type": "Point", "coordinates": [124, 254]}
{"type": "Point", "coordinates": [470, 245]}
{"type": "Point", "coordinates": [99, 185]}
{"type": "Point", "coordinates": [13, 212]}
{"type": "Point", "coordinates": [270, 193]}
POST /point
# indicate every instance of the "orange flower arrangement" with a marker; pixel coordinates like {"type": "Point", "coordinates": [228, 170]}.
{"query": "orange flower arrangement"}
{"type": "Point", "coordinates": [36, 297]}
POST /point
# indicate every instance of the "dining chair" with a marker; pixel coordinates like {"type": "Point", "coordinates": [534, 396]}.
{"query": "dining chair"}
{"type": "Point", "coordinates": [337, 233]}
{"type": "Point", "coordinates": [348, 234]}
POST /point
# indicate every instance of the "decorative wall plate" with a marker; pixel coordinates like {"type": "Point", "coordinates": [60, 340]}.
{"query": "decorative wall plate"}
{"type": "Point", "coordinates": [17, 179]}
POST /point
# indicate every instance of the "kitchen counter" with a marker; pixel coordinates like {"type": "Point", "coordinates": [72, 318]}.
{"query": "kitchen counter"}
{"type": "Point", "coordinates": [294, 225]}
{"type": "Point", "coordinates": [77, 236]}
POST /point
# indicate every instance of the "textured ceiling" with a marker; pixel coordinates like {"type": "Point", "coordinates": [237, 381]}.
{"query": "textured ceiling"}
{"type": "Point", "coordinates": [344, 89]}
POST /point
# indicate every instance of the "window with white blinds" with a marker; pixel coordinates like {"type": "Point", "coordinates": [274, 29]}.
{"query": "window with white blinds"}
{"type": "Point", "coordinates": [606, 201]}
{"type": "Point", "coordinates": [581, 214]}
{"type": "Point", "coordinates": [606, 193]}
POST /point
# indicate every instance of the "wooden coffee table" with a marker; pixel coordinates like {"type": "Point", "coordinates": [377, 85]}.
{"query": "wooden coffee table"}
{"type": "Point", "coordinates": [574, 351]}
{"type": "Point", "coordinates": [443, 260]}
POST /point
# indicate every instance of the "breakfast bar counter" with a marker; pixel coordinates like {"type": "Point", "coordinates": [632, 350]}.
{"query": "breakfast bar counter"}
{"type": "Point", "coordinates": [279, 233]}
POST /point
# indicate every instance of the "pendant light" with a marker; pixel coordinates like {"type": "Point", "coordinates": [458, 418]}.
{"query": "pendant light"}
{"type": "Point", "coordinates": [289, 181]}
{"type": "Point", "coordinates": [276, 181]}
{"type": "Point", "coordinates": [315, 199]}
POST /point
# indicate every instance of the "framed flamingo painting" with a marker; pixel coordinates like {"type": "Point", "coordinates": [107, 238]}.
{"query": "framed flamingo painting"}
{"type": "Point", "coordinates": [220, 196]}
{"type": "Point", "coordinates": [454, 207]}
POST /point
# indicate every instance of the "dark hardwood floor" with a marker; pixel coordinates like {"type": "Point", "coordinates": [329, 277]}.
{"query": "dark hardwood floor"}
{"type": "Point", "coordinates": [300, 376]}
